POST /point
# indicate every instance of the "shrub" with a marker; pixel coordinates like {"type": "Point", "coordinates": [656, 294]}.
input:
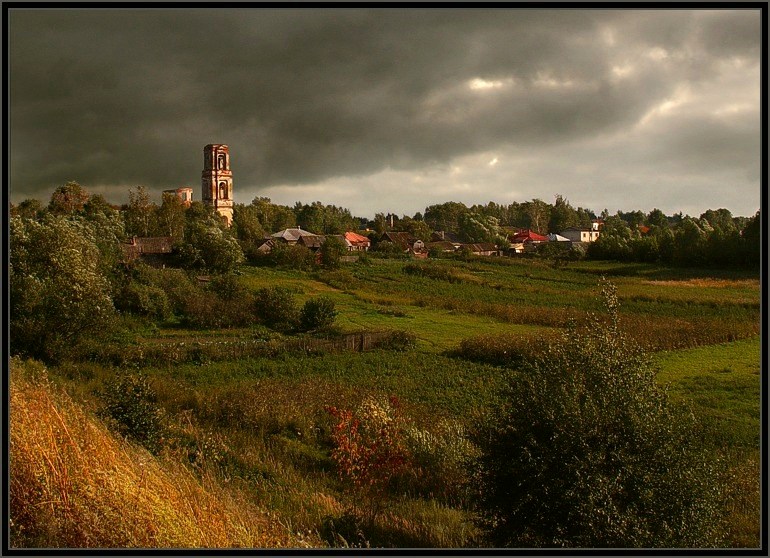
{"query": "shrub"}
{"type": "Point", "coordinates": [276, 308]}
{"type": "Point", "coordinates": [369, 450]}
{"type": "Point", "coordinates": [387, 249]}
{"type": "Point", "coordinates": [397, 340]}
{"type": "Point", "coordinates": [500, 350]}
{"type": "Point", "coordinates": [130, 403]}
{"type": "Point", "coordinates": [586, 450]}
{"type": "Point", "coordinates": [440, 460]}
{"type": "Point", "coordinates": [177, 285]}
{"type": "Point", "coordinates": [318, 313]}
{"type": "Point", "coordinates": [145, 300]}
{"type": "Point", "coordinates": [292, 256]}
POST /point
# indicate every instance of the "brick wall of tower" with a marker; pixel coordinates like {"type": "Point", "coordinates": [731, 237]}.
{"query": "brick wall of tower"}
{"type": "Point", "coordinates": [217, 180]}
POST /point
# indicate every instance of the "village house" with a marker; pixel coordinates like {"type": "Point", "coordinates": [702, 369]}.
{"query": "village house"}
{"type": "Point", "coordinates": [526, 240]}
{"type": "Point", "coordinates": [406, 241]}
{"type": "Point", "coordinates": [357, 242]}
{"type": "Point", "coordinates": [483, 249]}
{"type": "Point", "coordinates": [291, 236]}
{"type": "Point", "coordinates": [443, 236]}
{"type": "Point", "coordinates": [150, 248]}
{"type": "Point", "coordinates": [576, 234]}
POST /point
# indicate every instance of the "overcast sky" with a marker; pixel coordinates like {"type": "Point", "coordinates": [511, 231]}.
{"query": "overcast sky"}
{"type": "Point", "coordinates": [391, 110]}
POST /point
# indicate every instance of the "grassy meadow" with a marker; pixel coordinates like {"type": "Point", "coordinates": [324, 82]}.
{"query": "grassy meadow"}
{"type": "Point", "coordinates": [253, 433]}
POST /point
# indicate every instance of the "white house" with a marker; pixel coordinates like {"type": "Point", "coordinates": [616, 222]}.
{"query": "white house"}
{"type": "Point", "coordinates": [580, 235]}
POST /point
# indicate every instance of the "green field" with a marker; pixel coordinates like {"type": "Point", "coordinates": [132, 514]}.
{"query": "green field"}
{"type": "Point", "coordinates": [701, 327]}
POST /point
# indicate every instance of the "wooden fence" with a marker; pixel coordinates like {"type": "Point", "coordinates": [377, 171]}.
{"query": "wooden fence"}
{"type": "Point", "coordinates": [174, 352]}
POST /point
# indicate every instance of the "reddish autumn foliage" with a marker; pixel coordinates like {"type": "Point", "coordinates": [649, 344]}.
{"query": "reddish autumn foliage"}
{"type": "Point", "coordinates": [369, 443]}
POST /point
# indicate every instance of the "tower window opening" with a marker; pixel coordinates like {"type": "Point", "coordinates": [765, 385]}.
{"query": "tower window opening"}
{"type": "Point", "coordinates": [223, 190]}
{"type": "Point", "coordinates": [221, 162]}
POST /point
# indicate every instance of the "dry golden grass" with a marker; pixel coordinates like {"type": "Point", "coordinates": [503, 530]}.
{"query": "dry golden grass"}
{"type": "Point", "coordinates": [73, 484]}
{"type": "Point", "coordinates": [707, 282]}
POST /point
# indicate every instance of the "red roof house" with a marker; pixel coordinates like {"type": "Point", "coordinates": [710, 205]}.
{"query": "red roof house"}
{"type": "Point", "coordinates": [527, 235]}
{"type": "Point", "coordinates": [357, 242]}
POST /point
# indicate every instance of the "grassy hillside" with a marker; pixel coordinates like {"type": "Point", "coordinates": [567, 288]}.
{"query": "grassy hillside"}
{"type": "Point", "coordinates": [74, 484]}
{"type": "Point", "coordinates": [256, 432]}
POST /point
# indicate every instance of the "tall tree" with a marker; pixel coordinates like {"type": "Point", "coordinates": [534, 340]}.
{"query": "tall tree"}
{"type": "Point", "coordinates": [445, 216]}
{"type": "Point", "coordinates": [59, 293]}
{"type": "Point", "coordinates": [656, 218]}
{"type": "Point", "coordinates": [169, 218]}
{"type": "Point", "coordinates": [29, 208]}
{"type": "Point", "coordinates": [68, 199]}
{"type": "Point", "coordinates": [140, 212]}
{"type": "Point", "coordinates": [563, 215]}
{"type": "Point", "coordinates": [538, 213]}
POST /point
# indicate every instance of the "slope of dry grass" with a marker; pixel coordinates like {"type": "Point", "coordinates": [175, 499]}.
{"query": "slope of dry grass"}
{"type": "Point", "coordinates": [73, 484]}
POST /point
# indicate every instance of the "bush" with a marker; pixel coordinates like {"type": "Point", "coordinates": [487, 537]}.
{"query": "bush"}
{"type": "Point", "coordinates": [440, 460]}
{"type": "Point", "coordinates": [130, 404]}
{"type": "Point", "coordinates": [145, 300]}
{"type": "Point", "coordinates": [500, 350]}
{"type": "Point", "coordinates": [586, 450]}
{"type": "Point", "coordinates": [397, 340]}
{"type": "Point", "coordinates": [332, 251]}
{"type": "Point", "coordinates": [369, 450]}
{"type": "Point", "coordinates": [318, 313]}
{"type": "Point", "coordinates": [292, 256]}
{"type": "Point", "coordinates": [276, 308]}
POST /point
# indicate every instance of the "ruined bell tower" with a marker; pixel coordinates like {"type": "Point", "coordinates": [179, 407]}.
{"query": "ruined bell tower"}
{"type": "Point", "coordinates": [217, 180]}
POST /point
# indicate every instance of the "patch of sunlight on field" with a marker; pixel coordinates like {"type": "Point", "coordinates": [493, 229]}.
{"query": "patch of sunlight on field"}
{"type": "Point", "coordinates": [740, 358]}
{"type": "Point", "coordinates": [707, 282]}
{"type": "Point", "coordinates": [722, 382]}
{"type": "Point", "coordinates": [436, 330]}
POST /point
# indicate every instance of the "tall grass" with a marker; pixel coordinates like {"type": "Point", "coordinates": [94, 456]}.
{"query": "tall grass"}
{"type": "Point", "coordinates": [73, 484]}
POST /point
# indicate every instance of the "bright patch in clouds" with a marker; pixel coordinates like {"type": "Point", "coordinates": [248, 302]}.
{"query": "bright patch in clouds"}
{"type": "Point", "coordinates": [477, 84]}
{"type": "Point", "coordinates": [657, 53]}
{"type": "Point", "coordinates": [493, 162]}
{"type": "Point", "coordinates": [668, 107]}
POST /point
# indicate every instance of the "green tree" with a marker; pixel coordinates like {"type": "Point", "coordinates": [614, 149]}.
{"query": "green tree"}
{"type": "Point", "coordinates": [59, 294]}
{"type": "Point", "coordinates": [656, 218]}
{"type": "Point", "coordinates": [719, 219]}
{"type": "Point", "coordinates": [293, 256]}
{"type": "Point", "coordinates": [381, 223]}
{"type": "Point", "coordinates": [445, 216]}
{"type": "Point", "coordinates": [751, 241]}
{"type": "Point", "coordinates": [538, 213]}
{"type": "Point", "coordinates": [29, 208]}
{"type": "Point", "coordinates": [248, 228]}
{"type": "Point", "coordinates": [478, 228]}
{"type": "Point", "coordinates": [417, 228]}
{"type": "Point", "coordinates": [170, 217]}
{"type": "Point", "coordinates": [130, 403]}
{"type": "Point", "coordinates": [586, 450]}
{"type": "Point", "coordinates": [614, 242]}
{"type": "Point", "coordinates": [140, 212]}
{"type": "Point", "coordinates": [689, 243]}
{"type": "Point", "coordinates": [272, 217]}
{"type": "Point", "coordinates": [563, 215]}
{"type": "Point", "coordinates": [332, 251]}
{"type": "Point", "coordinates": [207, 244]}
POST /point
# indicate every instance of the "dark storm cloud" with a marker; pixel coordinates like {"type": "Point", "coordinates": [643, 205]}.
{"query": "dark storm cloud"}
{"type": "Point", "coordinates": [123, 98]}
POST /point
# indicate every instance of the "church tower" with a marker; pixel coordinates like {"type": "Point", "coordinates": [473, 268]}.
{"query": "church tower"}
{"type": "Point", "coordinates": [217, 180]}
